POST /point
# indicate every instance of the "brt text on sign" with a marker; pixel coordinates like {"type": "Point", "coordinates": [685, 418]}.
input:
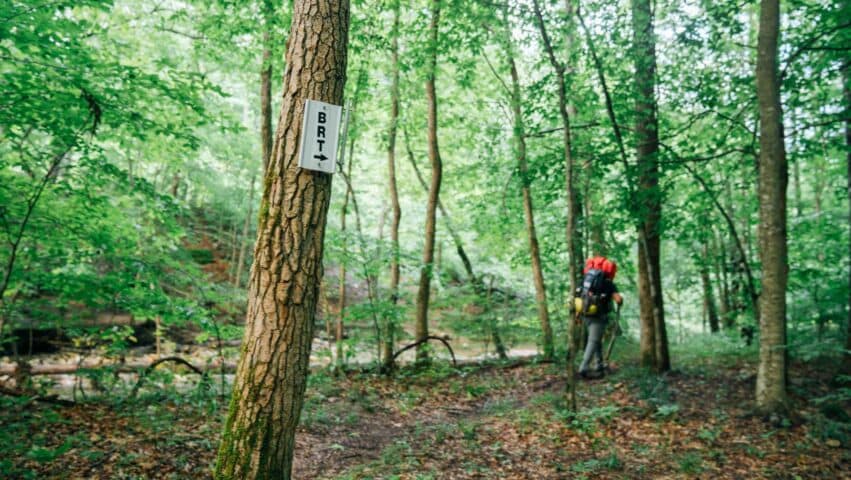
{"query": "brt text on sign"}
{"type": "Point", "coordinates": [320, 132]}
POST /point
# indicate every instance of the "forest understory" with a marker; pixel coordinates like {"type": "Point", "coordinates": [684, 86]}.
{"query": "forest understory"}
{"type": "Point", "coordinates": [500, 420]}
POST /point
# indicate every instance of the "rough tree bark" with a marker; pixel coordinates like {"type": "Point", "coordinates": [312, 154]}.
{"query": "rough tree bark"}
{"type": "Point", "coordinates": [570, 190]}
{"type": "Point", "coordinates": [389, 333]}
{"type": "Point", "coordinates": [773, 179]}
{"type": "Point", "coordinates": [424, 291]}
{"type": "Point", "coordinates": [650, 197]}
{"type": "Point", "coordinates": [268, 392]}
{"type": "Point", "coordinates": [528, 207]}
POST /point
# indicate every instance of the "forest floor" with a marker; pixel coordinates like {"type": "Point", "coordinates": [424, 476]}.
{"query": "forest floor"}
{"type": "Point", "coordinates": [499, 421]}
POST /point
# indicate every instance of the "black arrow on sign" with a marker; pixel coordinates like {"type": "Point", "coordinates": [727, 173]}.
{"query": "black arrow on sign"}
{"type": "Point", "coordinates": [320, 157]}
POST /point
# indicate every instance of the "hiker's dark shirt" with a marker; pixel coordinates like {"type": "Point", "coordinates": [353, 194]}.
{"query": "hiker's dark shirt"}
{"type": "Point", "coordinates": [609, 289]}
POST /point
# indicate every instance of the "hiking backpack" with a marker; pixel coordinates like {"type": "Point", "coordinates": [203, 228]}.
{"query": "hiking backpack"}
{"type": "Point", "coordinates": [591, 298]}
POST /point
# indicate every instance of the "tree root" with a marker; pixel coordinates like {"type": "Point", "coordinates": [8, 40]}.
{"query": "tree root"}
{"type": "Point", "coordinates": [424, 340]}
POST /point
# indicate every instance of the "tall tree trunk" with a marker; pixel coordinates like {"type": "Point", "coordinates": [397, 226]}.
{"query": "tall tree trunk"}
{"type": "Point", "coordinates": [389, 333]}
{"type": "Point", "coordinates": [743, 263]}
{"type": "Point", "coordinates": [846, 90]}
{"type": "Point", "coordinates": [268, 392]}
{"type": "Point", "coordinates": [341, 286]}
{"type": "Point", "coordinates": [720, 256]}
{"type": "Point", "coordinates": [570, 191]}
{"type": "Point", "coordinates": [456, 238]}
{"type": "Point", "coordinates": [498, 345]}
{"type": "Point", "coordinates": [266, 85]}
{"type": "Point", "coordinates": [650, 196]}
{"type": "Point", "coordinates": [773, 179]}
{"type": "Point", "coordinates": [528, 208]}
{"type": "Point", "coordinates": [424, 290]}
{"type": "Point", "coordinates": [708, 297]}
{"type": "Point", "coordinates": [243, 241]}
{"type": "Point", "coordinates": [234, 251]}
{"type": "Point", "coordinates": [325, 308]}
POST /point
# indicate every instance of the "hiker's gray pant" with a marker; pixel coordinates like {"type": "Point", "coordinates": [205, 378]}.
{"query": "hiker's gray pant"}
{"type": "Point", "coordinates": [596, 327]}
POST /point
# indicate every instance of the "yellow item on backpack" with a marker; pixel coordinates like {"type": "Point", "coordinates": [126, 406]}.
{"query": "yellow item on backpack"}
{"type": "Point", "coordinates": [577, 305]}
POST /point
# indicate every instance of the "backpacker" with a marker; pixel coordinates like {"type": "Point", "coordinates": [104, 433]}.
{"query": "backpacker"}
{"type": "Point", "coordinates": [591, 298]}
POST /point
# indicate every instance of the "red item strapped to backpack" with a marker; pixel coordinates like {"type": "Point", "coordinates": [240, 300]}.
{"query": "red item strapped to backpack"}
{"type": "Point", "coordinates": [608, 267]}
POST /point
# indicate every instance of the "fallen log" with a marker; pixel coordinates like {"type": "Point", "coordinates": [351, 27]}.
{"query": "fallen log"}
{"type": "Point", "coordinates": [129, 367]}
{"type": "Point", "coordinates": [35, 397]}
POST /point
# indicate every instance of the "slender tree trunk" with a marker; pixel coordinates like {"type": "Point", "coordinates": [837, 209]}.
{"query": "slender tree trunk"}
{"type": "Point", "coordinates": [326, 309]}
{"type": "Point", "coordinates": [846, 89]}
{"type": "Point", "coordinates": [570, 191]}
{"type": "Point", "coordinates": [15, 239]}
{"type": "Point", "coordinates": [720, 256]}
{"type": "Point", "coordinates": [424, 291]}
{"type": "Point", "coordinates": [773, 179]}
{"type": "Point", "coordinates": [234, 251]}
{"type": "Point", "coordinates": [528, 208]}
{"type": "Point", "coordinates": [244, 239]}
{"type": "Point", "coordinates": [389, 334]}
{"type": "Point", "coordinates": [708, 297]}
{"type": "Point", "coordinates": [498, 345]}
{"type": "Point", "coordinates": [650, 196]}
{"type": "Point", "coordinates": [259, 435]}
{"type": "Point", "coordinates": [341, 289]}
{"type": "Point", "coordinates": [456, 238]}
{"type": "Point", "coordinates": [648, 344]}
{"type": "Point", "coordinates": [266, 85]}
{"type": "Point", "coordinates": [175, 184]}
{"type": "Point", "coordinates": [743, 261]}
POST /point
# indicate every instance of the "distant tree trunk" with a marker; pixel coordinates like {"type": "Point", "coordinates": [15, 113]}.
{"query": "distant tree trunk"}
{"type": "Point", "coordinates": [243, 241]}
{"type": "Point", "coordinates": [175, 184]}
{"type": "Point", "coordinates": [389, 334]}
{"type": "Point", "coordinates": [234, 251]}
{"type": "Point", "coordinates": [773, 179]}
{"type": "Point", "coordinates": [846, 90]}
{"type": "Point", "coordinates": [266, 85]}
{"type": "Point", "coordinates": [326, 309]}
{"type": "Point", "coordinates": [528, 209]}
{"type": "Point", "coordinates": [796, 166]}
{"type": "Point", "coordinates": [424, 290]}
{"type": "Point", "coordinates": [570, 193]}
{"type": "Point", "coordinates": [720, 254]}
{"type": "Point", "coordinates": [268, 392]}
{"type": "Point", "coordinates": [341, 288]}
{"type": "Point", "coordinates": [498, 345]}
{"type": "Point", "coordinates": [742, 262]}
{"type": "Point", "coordinates": [648, 345]}
{"type": "Point", "coordinates": [708, 297]}
{"type": "Point", "coordinates": [456, 238]}
{"type": "Point", "coordinates": [650, 196]}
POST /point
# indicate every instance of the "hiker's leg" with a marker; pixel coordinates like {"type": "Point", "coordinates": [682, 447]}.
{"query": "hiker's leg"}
{"type": "Point", "coordinates": [594, 346]}
{"type": "Point", "coordinates": [598, 330]}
